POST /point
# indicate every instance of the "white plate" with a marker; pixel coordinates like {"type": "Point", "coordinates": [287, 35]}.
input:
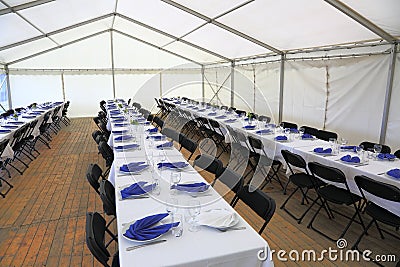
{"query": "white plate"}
{"type": "Point", "coordinates": [354, 163]}
{"type": "Point", "coordinates": [132, 196]}
{"type": "Point", "coordinates": [323, 154]}
{"type": "Point", "coordinates": [216, 218]}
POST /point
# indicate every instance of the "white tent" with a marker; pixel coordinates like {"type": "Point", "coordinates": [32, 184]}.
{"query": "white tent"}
{"type": "Point", "coordinates": [330, 64]}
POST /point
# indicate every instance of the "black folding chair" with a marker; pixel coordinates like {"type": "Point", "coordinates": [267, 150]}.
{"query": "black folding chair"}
{"type": "Point", "coordinates": [188, 144]}
{"type": "Point", "coordinates": [336, 195]}
{"type": "Point", "coordinates": [3, 163]}
{"type": "Point", "coordinates": [369, 146]}
{"type": "Point", "coordinates": [326, 135]}
{"type": "Point", "coordinates": [397, 154]}
{"type": "Point", "coordinates": [259, 202]}
{"type": "Point", "coordinates": [310, 130]}
{"type": "Point", "coordinates": [302, 180]}
{"type": "Point", "coordinates": [94, 175]}
{"type": "Point", "coordinates": [289, 125]}
{"type": "Point", "coordinates": [376, 212]}
{"type": "Point", "coordinates": [264, 118]}
{"type": "Point", "coordinates": [232, 180]}
{"type": "Point", "coordinates": [107, 153]}
{"type": "Point", "coordinates": [107, 195]}
{"type": "Point", "coordinates": [209, 164]}
{"type": "Point", "coordinates": [95, 239]}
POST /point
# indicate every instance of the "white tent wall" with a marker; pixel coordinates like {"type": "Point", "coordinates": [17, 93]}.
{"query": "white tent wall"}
{"type": "Point", "coordinates": [218, 80]}
{"type": "Point", "coordinates": [129, 85]}
{"type": "Point", "coordinates": [35, 88]}
{"type": "Point", "coordinates": [183, 83]}
{"type": "Point", "coordinates": [304, 93]}
{"type": "Point", "coordinates": [356, 97]}
{"type": "Point", "coordinates": [393, 126]}
{"type": "Point", "coordinates": [85, 92]}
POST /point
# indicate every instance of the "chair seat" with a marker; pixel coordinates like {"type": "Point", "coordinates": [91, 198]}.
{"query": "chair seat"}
{"type": "Point", "coordinates": [338, 195]}
{"type": "Point", "coordinates": [382, 215]}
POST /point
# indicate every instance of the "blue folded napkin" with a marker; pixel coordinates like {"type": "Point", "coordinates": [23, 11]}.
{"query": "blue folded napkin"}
{"type": "Point", "coordinates": [263, 131]}
{"type": "Point", "coordinates": [249, 127]}
{"type": "Point", "coordinates": [165, 145]}
{"type": "Point", "coordinates": [153, 130]}
{"type": "Point", "coordinates": [212, 114]}
{"type": "Point", "coordinates": [172, 165]}
{"type": "Point", "coordinates": [294, 130]}
{"type": "Point", "coordinates": [202, 110]}
{"type": "Point", "coordinates": [28, 117]}
{"type": "Point", "coordinates": [176, 102]}
{"type": "Point", "coordinates": [141, 119]}
{"type": "Point", "coordinates": [195, 108]}
{"type": "Point", "coordinates": [119, 131]}
{"type": "Point", "coordinates": [395, 173]}
{"type": "Point", "coordinates": [123, 138]}
{"type": "Point", "coordinates": [281, 138]}
{"type": "Point", "coordinates": [15, 122]}
{"type": "Point", "coordinates": [136, 189]}
{"type": "Point", "coordinates": [350, 159]}
{"type": "Point", "coordinates": [5, 131]}
{"type": "Point", "coordinates": [36, 112]}
{"type": "Point", "coordinates": [270, 125]}
{"type": "Point", "coordinates": [221, 117]}
{"type": "Point", "coordinates": [121, 124]}
{"type": "Point", "coordinates": [119, 117]}
{"type": "Point", "coordinates": [133, 167]}
{"type": "Point", "coordinates": [10, 126]}
{"type": "Point", "coordinates": [191, 188]}
{"type": "Point", "coordinates": [307, 136]}
{"type": "Point", "coordinates": [126, 147]}
{"type": "Point", "coordinates": [144, 228]}
{"type": "Point", "coordinates": [156, 137]}
{"type": "Point", "coordinates": [230, 120]}
{"type": "Point", "coordinates": [115, 112]}
{"type": "Point", "coordinates": [386, 156]}
{"type": "Point", "coordinates": [348, 147]}
{"type": "Point", "coordinates": [144, 122]}
{"type": "Point", "coordinates": [118, 120]}
{"type": "Point", "coordinates": [320, 150]}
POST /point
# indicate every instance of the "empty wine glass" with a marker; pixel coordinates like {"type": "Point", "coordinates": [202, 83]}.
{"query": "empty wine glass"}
{"type": "Point", "coordinates": [174, 180]}
{"type": "Point", "coordinates": [377, 149]}
{"type": "Point", "coordinates": [171, 206]}
{"type": "Point", "coordinates": [301, 131]}
{"type": "Point", "coordinates": [194, 211]}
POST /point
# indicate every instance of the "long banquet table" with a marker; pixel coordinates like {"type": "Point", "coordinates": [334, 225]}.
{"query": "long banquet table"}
{"type": "Point", "coordinates": [207, 247]}
{"type": "Point", "coordinates": [375, 169]}
{"type": "Point", "coordinates": [32, 115]}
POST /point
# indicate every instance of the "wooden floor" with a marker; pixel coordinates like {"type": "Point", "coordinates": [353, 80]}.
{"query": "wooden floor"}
{"type": "Point", "coordinates": [42, 220]}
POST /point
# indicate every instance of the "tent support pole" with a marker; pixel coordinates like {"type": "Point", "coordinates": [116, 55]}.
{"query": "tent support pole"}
{"type": "Point", "coordinates": [8, 87]}
{"type": "Point", "coordinates": [233, 84]}
{"type": "Point", "coordinates": [388, 94]}
{"type": "Point", "coordinates": [281, 85]}
{"type": "Point", "coordinates": [63, 85]}
{"type": "Point", "coordinates": [203, 90]}
{"type": "Point", "coordinates": [112, 62]}
{"type": "Point", "coordinates": [161, 95]}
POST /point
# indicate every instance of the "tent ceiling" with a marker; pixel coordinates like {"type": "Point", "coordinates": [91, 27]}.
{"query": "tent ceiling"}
{"type": "Point", "coordinates": [214, 31]}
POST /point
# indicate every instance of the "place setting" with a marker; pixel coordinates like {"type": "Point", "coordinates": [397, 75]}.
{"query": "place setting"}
{"type": "Point", "coordinates": [132, 168]}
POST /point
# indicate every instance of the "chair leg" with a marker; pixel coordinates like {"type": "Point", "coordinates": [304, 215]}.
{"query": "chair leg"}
{"type": "Point", "coordinates": [355, 246]}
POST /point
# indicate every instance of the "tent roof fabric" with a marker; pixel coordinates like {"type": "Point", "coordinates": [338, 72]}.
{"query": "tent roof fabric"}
{"type": "Point", "coordinates": [201, 31]}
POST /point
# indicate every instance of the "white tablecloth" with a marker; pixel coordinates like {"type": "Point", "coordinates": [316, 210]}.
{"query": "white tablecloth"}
{"type": "Point", "coordinates": [207, 247]}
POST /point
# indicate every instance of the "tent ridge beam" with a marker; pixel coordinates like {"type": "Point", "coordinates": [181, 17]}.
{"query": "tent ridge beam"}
{"type": "Point", "coordinates": [58, 47]}
{"type": "Point", "coordinates": [173, 37]}
{"type": "Point", "coordinates": [24, 6]}
{"type": "Point", "coordinates": [223, 26]}
{"type": "Point", "coordinates": [56, 31]}
{"type": "Point", "coordinates": [155, 46]}
{"type": "Point", "coordinates": [361, 20]}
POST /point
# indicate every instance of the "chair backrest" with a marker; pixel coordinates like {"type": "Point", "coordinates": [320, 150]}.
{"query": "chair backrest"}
{"type": "Point", "coordinates": [293, 159]}
{"type": "Point", "coordinates": [289, 125]}
{"type": "Point", "coordinates": [264, 118]}
{"type": "Point", "coordinates": [255, 143]}
{"type": "Point", "coordinates": [107, 195]}
{"type": "Point", "coordinates": [95, 234]}
{"type": "Point", "coordinates": [325, 135]}
{"type": "Point", "coordinates": [95, 134]}
{"type": "Point", "coordinates": [370, 146]}
{"type": "Point", "coordinates": [259, 202]}
{"type": "Point", "coordinates": [327, 173]}
{"type": "Point", "coordinates": [379, 189]}
{"type": "Point", "coordinates": [231, 179]}
{"type": "Point", "coordinates": [106, 152]}
{"type": "Point", "coordinates": [240, 112]}
{"type": "Point", "coordinates": [209, 163]}
{"type": "Point", "coordinates": [159, 122]}
{"type": "Point", "coordinates": [309, 130]}
{"type": "Point", "coordinates": [171, 133]}
{"type": "Point", "coordinates": [188, 144]}
{"type": "Point", "coordinates": [93, 174]}
{"type": "Point", "coordinates": [397, 153]}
